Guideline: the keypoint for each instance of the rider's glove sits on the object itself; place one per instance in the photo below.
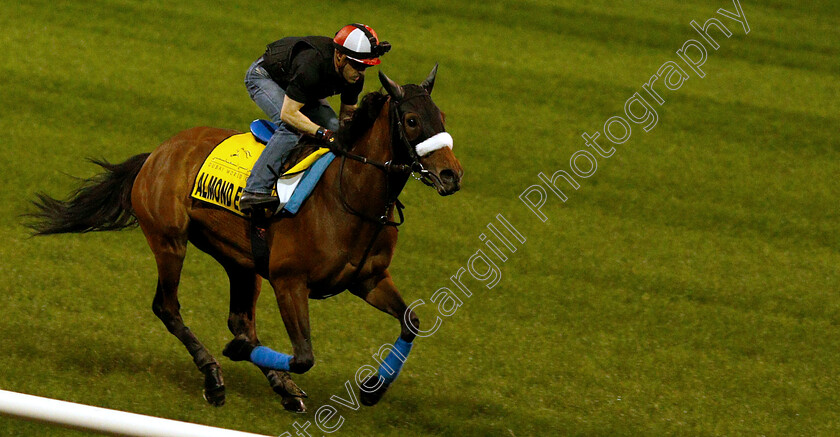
(325, 135)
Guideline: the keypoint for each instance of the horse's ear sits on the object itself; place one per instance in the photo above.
(394, 89)
(429, 83)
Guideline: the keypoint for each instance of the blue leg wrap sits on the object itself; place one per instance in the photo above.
(265, 357)
(394, 362)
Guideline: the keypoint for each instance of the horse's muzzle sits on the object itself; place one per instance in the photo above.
(450, 182)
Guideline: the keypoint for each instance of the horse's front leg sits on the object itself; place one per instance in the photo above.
(293, 300)
(244, 291)
(382, 294)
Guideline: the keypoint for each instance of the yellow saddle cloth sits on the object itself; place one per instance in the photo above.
(223, 175)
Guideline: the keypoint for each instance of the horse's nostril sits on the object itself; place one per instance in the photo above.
(450, 180)
(448, 176)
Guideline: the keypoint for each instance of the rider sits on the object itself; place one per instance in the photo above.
(291, 82)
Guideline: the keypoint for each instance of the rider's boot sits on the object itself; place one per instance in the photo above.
(252, 201)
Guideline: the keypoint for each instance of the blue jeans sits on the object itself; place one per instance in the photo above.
(269, 97)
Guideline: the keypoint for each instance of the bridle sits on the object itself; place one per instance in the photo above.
(415, 168)
(425, 176)
(390, 168)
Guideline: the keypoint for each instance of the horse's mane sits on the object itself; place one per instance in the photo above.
(346, 137)
(362, 120)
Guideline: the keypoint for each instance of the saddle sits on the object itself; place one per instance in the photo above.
(222, 177)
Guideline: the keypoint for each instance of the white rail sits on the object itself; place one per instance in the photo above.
(103, 420)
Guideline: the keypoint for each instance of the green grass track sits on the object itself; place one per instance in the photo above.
(690, 286)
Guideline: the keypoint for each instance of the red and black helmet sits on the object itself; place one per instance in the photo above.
(360, 43)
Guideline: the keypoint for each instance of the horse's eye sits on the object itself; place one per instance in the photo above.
(411, 122)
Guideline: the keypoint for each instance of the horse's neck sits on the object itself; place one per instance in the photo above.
(365, 185)
(376, 143)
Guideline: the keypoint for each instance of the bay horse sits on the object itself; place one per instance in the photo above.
(342, 238)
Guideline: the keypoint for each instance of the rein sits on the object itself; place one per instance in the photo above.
(389, 167)
(389, 203)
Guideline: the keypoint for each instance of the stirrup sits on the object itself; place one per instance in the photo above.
(253, 201)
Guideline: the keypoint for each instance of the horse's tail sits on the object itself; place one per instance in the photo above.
(102, 203)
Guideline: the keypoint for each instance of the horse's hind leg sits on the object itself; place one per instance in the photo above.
(169, 254)
(244, 291)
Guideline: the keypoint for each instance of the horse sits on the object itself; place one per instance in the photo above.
(342, 238)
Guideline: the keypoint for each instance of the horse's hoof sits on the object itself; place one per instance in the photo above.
(215, 398)
(294, 404)
(214, 386)
(371, 399)
(289, 389)
(282, 384)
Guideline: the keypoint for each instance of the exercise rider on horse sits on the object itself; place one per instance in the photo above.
(291, 82)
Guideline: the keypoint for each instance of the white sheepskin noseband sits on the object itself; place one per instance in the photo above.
(435, 142)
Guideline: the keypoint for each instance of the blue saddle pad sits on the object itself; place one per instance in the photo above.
(310, 178)
(263, 130)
